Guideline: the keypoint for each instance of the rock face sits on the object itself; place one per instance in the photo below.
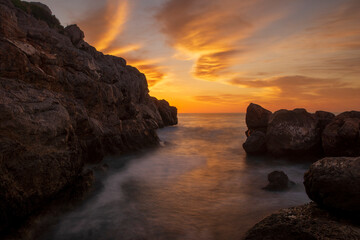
(307, 222)
(292, 132)
(257, 117)
(255, 143)
(278, 181)
(341, 136)
(63, 104)
(335, 183)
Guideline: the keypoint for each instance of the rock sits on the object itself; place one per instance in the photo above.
(75, 34)
(324, 119)
(257, 117)
(255, 143)
(306, 222)
(293, 133)
(62, 106)
(43, 7)
(278, 181)
(341, 137)
(335, 183)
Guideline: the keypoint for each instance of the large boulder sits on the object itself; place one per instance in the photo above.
(324, 118)
(257, 117)
(255, 143)
(335, 183)
(341, 137)
(307, 222)
(293, 132)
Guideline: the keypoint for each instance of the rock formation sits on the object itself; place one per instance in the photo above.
(62, 104)
(278, 181)
(306, 222)
(335, 183)
(298, 132)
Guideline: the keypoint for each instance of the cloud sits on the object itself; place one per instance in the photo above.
(103, 25)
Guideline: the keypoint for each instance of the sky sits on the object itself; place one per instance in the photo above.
(221, 55)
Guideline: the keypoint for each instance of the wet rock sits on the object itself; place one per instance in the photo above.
(257, 117)
(306, 222)
(335, 183)
(255, 143)
(278, 181)
(341, 137)
(292, 133)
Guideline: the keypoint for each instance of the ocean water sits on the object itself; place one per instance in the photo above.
(199, 184)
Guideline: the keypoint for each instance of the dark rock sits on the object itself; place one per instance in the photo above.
(341, 137)
(62, 106)
(278, 181)
(42, 6)
(324, 118)
(335, 183)
(293, 133)
(75, 34)
(307, 222)
(255, 143)
(257, 117)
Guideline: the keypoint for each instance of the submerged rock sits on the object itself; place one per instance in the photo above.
(278, 181)
(63, 104)
(335, 183)
(306, 222)
(341, 136)
(292, 133)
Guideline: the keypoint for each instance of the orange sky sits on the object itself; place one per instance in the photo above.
(220, 55)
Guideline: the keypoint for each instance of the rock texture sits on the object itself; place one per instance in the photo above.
(255, 143)
(292, 132)
(335, 183)
(257, 117)
(278, 181)
(62, 104)
(307, 222)
(341, 136)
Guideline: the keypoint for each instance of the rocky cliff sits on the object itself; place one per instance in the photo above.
(62, 104)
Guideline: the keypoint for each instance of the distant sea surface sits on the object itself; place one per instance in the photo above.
(199, 185)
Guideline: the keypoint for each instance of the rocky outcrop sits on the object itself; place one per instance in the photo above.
(292, 133)
(307, 222)
(298, 132)
(335, 183)
(341, 136)
(62, 105)
(278, 181)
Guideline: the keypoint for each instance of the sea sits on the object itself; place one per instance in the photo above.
(199, 184)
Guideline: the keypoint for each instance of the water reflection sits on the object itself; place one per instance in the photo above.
(200, 185)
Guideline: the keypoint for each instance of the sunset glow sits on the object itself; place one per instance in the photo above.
(220, 55)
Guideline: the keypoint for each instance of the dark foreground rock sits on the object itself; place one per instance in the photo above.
(278, 181)
(307, 222)
(257, 117)
(62, 104)
(335, 183)
(255, 143)
(292, 133)
(341, 136)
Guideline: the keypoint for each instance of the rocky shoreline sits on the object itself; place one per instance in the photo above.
(62, 105)
(332, 182)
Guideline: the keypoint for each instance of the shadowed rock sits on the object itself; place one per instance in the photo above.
(257, 117)
(292, 133)
(255, 143)
(324, 119)
(335, 183)
(278, 181)
(306, 222)
(341, 136)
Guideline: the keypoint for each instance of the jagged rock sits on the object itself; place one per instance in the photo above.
(62, 106)
(255, 143)
(324, 119)
(278, 181)
(341, 137)
(335, 183)
(257, 117)
(292, 133)
(307, 222)
(75, 34)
